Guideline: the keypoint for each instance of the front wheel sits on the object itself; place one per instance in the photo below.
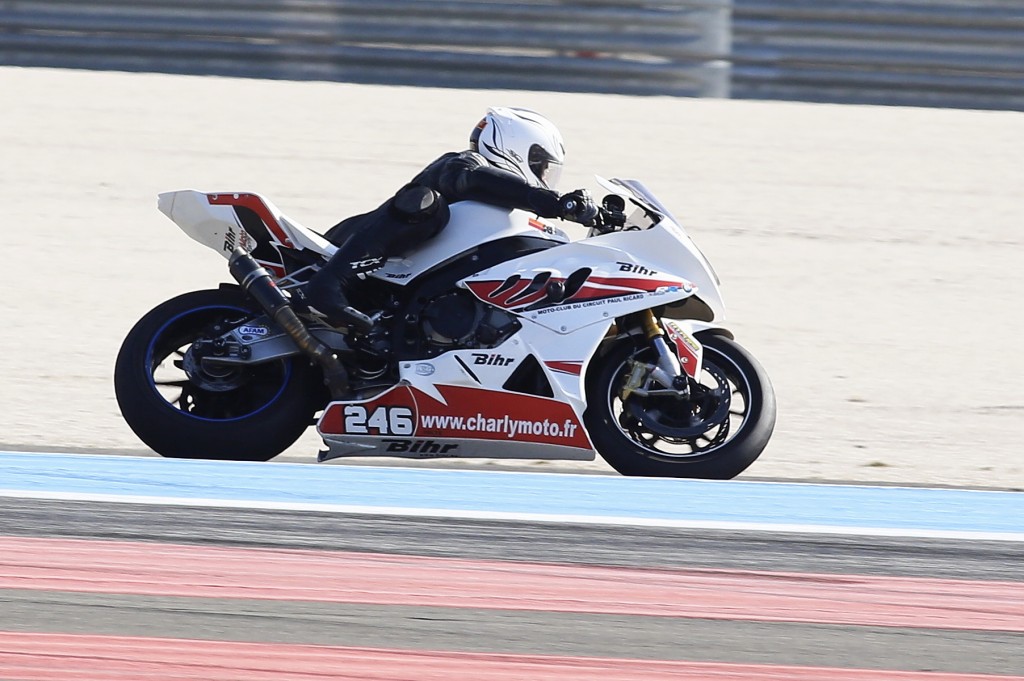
(184, 408)
(719, 430)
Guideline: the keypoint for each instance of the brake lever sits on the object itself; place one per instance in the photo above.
(609, 220)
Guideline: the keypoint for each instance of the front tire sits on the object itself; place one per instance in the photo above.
(182, 410)
(716, 435)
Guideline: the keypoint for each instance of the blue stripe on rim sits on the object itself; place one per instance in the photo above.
(152, 383)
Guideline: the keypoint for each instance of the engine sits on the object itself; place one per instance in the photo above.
(457, 319)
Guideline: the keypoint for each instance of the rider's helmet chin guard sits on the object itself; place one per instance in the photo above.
(523, 142)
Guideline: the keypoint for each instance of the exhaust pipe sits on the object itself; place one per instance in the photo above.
(257, 282)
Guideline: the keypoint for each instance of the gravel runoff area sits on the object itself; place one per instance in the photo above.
(872, 257)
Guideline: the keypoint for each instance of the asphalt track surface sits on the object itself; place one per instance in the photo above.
(185, 588)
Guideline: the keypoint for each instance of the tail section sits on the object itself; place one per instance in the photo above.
(248, 221)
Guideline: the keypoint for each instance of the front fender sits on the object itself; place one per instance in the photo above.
(698, 328)
(687, 337)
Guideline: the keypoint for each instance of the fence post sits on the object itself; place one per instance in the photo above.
(7, 9)
(715, 21)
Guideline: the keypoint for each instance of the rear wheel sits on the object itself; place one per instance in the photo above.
(716, 433)
(183, 407)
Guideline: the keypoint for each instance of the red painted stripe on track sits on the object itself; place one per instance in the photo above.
(58, 657)
(222, 572)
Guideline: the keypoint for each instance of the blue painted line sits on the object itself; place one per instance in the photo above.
(522, 494)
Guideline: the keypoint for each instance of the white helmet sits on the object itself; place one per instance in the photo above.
(521, 141)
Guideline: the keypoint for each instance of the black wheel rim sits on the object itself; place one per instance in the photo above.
(671, 429)
(231, 394)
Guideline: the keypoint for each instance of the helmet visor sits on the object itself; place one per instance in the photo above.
(474, 137)
(547, 169)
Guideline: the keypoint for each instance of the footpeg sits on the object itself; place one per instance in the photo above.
(356, 320)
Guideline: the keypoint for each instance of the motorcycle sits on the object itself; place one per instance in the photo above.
(500, 337)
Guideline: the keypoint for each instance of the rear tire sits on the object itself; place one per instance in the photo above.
(243, 413)
(717, 435)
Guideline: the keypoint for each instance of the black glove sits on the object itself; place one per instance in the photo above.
(579, 207)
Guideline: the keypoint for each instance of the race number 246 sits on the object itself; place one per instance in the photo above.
(381, 421)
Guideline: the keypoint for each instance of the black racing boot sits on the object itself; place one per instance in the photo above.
(325, 293)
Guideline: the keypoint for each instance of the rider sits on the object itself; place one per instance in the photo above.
(514, 160)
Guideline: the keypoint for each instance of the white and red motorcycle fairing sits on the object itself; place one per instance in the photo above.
(546, 355)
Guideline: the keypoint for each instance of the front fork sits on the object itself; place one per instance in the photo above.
(672, 369)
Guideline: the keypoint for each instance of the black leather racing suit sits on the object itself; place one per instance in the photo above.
(467, 176)
(366, 241)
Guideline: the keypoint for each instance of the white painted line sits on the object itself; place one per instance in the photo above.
(920, 533)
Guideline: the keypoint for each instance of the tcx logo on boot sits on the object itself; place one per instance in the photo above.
(366, 265)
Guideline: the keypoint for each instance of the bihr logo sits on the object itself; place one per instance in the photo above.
(633, 268)
(492, 359)
(422, 447)
(229, 240)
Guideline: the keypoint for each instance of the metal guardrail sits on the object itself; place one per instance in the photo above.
(674, 47)
(954, 53)
(963, 53)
